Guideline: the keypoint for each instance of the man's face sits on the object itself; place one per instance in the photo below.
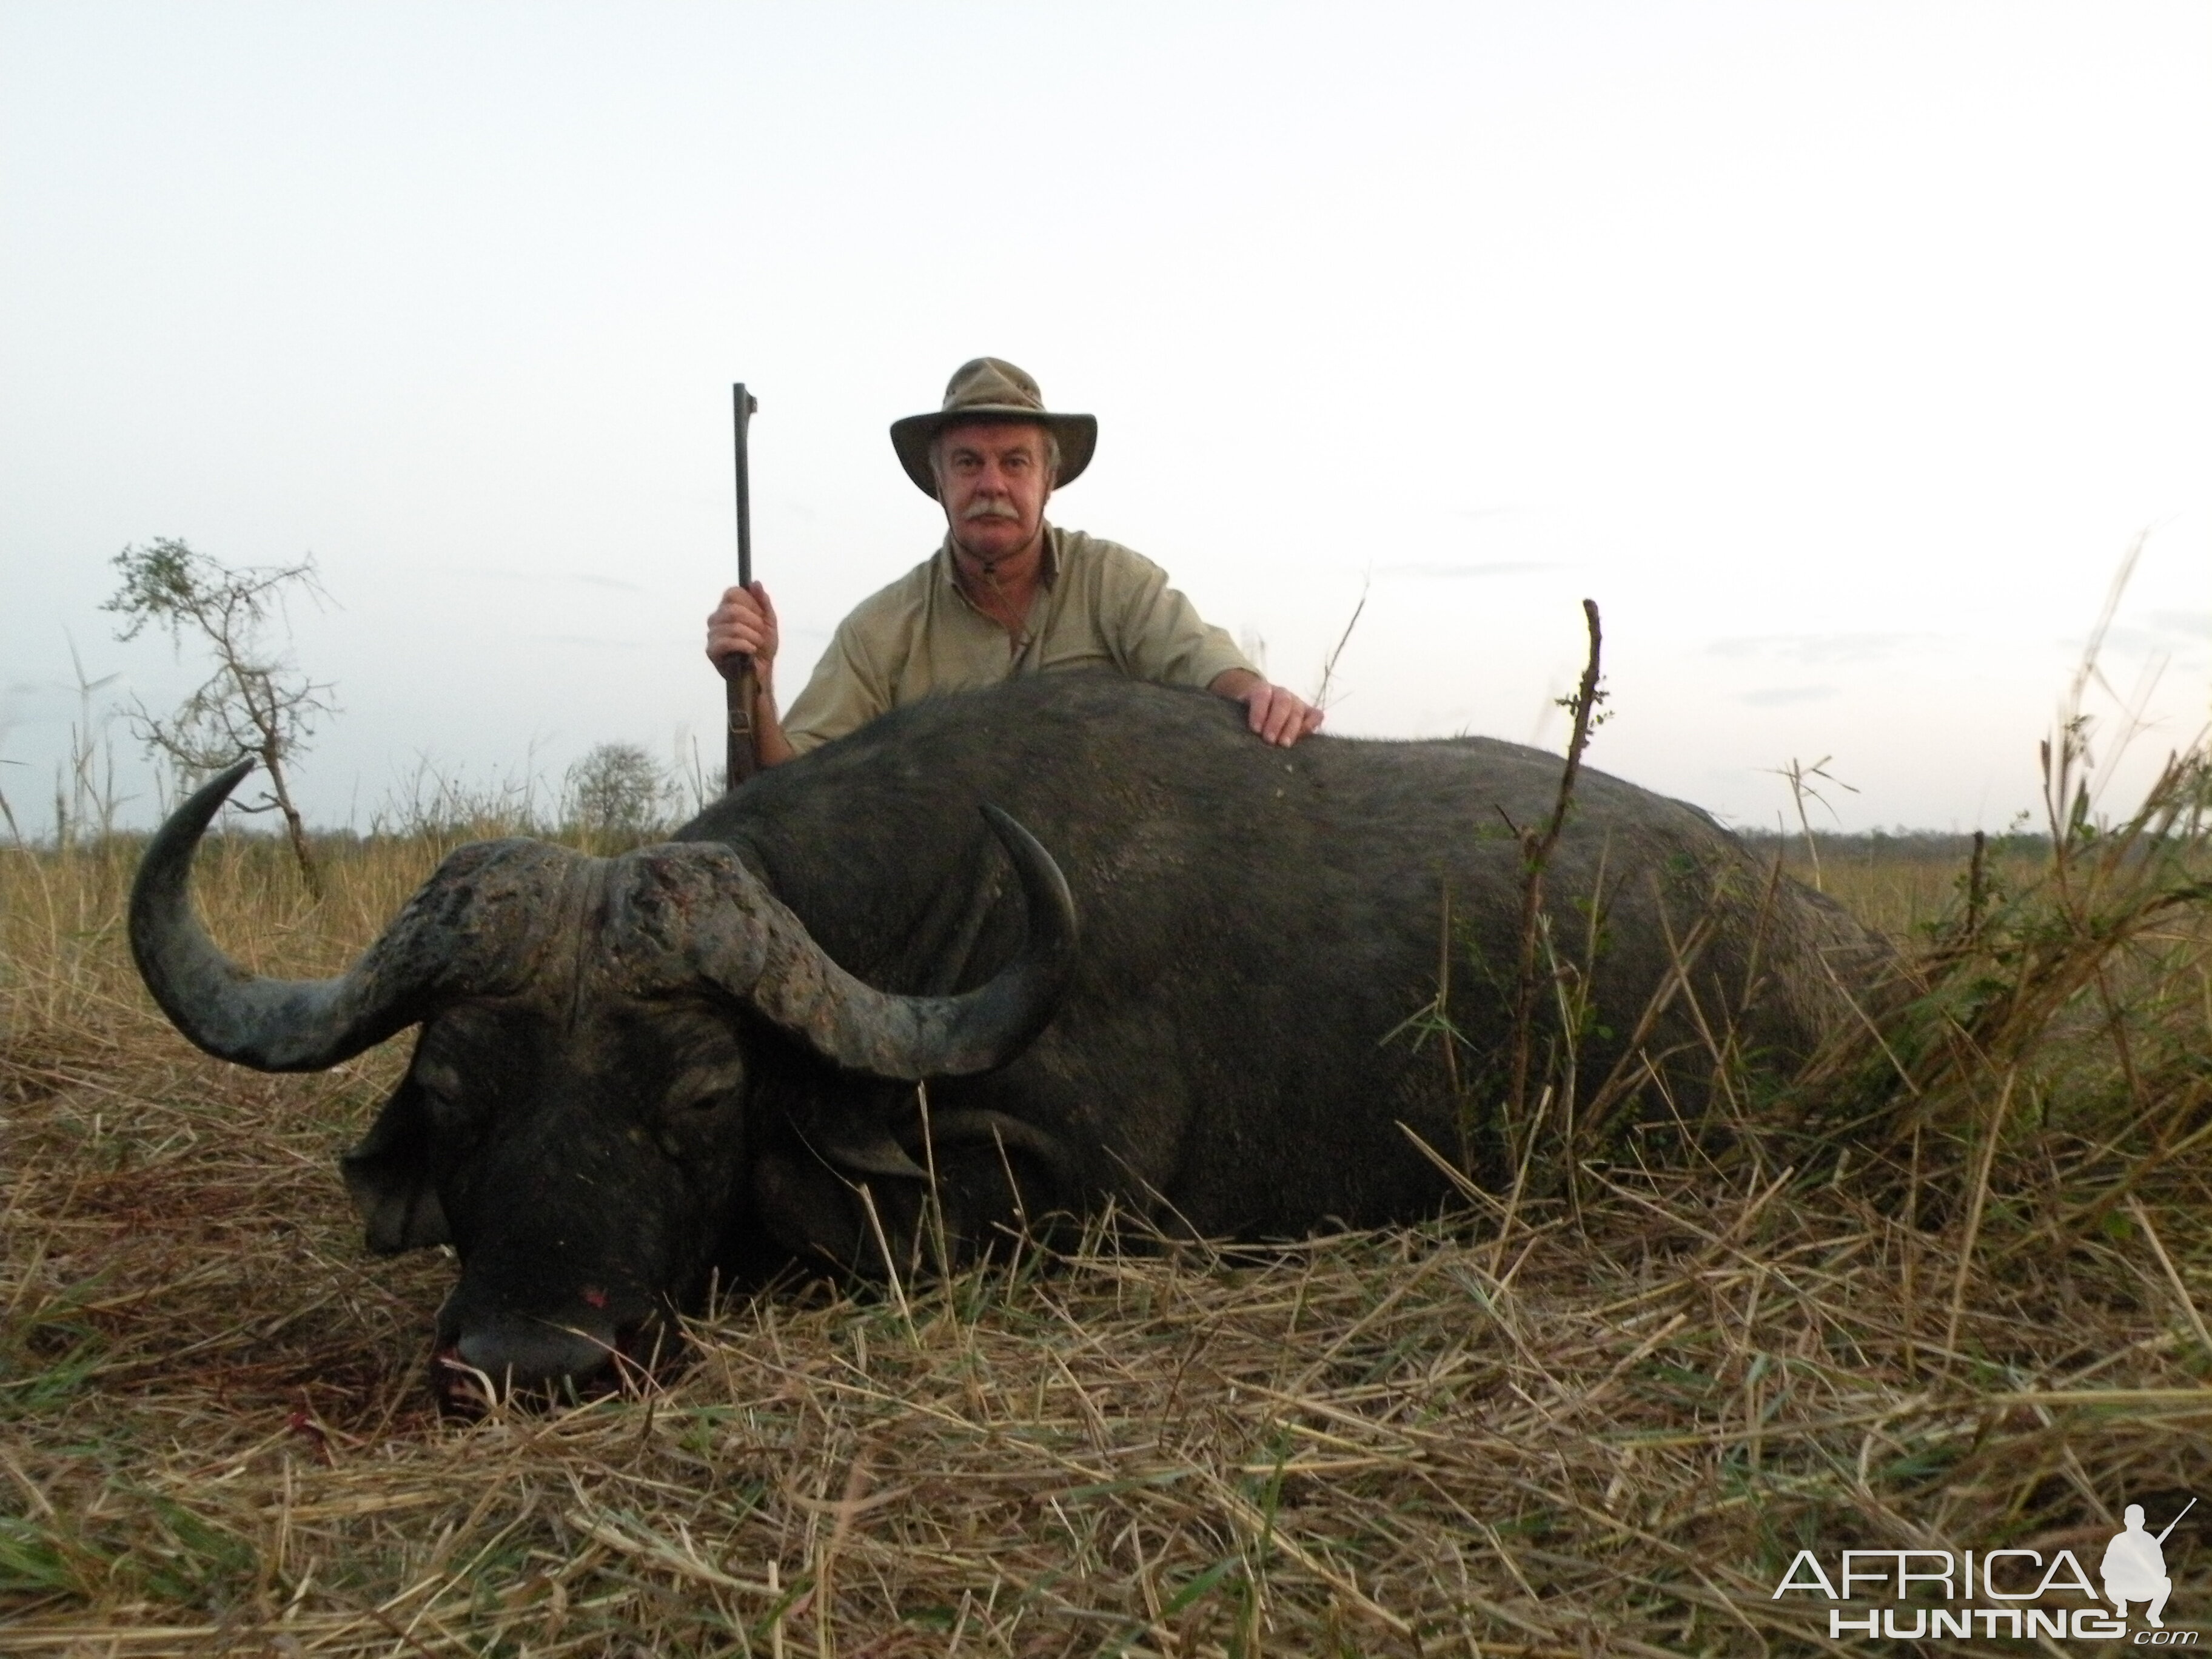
(993, 480)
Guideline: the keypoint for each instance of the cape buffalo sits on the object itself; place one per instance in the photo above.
(1138, 955)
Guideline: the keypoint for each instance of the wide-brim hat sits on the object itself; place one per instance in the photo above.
(992, 389)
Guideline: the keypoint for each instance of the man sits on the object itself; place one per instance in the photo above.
(2135, 1569)
(1005, 594)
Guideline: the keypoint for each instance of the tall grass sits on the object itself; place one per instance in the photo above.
(1956, 1301)
(1903, 885)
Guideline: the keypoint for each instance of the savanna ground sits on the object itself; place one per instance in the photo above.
(1953, 1299)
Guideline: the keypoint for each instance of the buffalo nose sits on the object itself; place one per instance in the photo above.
(525, 1353)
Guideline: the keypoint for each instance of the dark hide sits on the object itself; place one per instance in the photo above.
(1257, 924)
(1231, 1056)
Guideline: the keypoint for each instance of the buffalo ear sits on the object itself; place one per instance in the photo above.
(388, 1178)
(807, 1207)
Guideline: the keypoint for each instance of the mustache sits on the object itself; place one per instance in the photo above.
(990, 510)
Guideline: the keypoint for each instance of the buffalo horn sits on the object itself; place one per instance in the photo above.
(777, 967)
(980, 1123)
(297, 1025)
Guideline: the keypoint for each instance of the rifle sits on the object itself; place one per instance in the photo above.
(2176, 1522)
(741, 683)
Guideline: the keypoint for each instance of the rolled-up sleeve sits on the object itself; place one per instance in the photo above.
(844, 693)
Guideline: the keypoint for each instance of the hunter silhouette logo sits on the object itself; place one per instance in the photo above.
(2135, 1566)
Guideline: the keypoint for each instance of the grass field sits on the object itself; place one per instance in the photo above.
(1974, 1321)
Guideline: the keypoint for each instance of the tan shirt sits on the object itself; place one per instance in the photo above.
(1098, 605)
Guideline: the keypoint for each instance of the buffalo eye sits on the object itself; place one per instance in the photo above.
(441, 1089)
(702, 1089)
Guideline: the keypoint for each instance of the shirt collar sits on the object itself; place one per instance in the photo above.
(1047, 576)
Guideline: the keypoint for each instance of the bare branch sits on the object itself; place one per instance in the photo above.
(256, 701)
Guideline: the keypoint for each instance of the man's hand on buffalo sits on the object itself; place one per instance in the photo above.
(1275, 713)
(743, 625)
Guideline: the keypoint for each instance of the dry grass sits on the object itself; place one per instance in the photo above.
(1600, 1429)
(1904, 886)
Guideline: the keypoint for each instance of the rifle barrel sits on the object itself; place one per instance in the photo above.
(743, 407)
(742, 757)
(2176, 1522)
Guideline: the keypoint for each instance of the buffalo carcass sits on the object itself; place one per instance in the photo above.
(635, 1072)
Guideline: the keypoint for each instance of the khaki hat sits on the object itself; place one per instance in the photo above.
(992, 389)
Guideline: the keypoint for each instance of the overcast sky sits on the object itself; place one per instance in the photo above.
(1839, 351)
